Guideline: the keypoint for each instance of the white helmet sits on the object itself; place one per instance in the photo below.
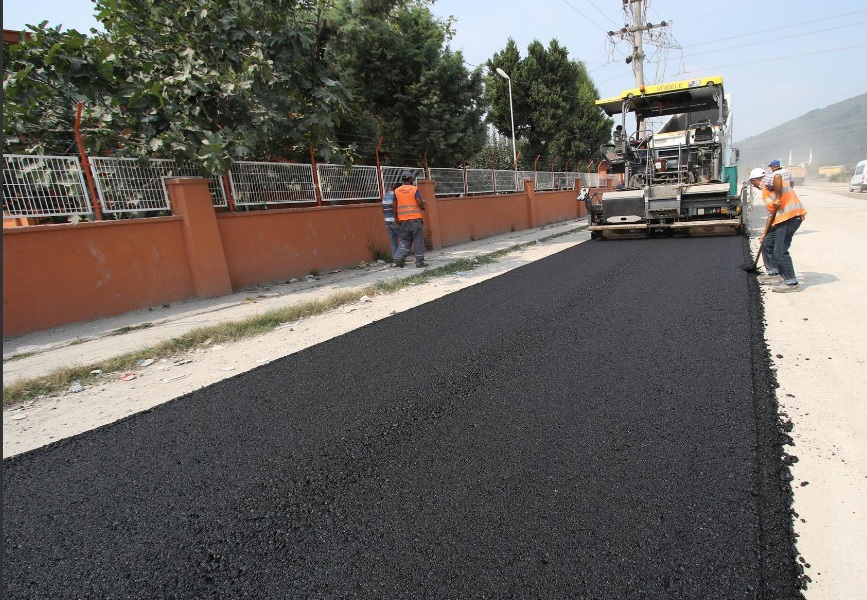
(757, 172)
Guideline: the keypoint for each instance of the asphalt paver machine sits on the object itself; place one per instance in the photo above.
(679, 179)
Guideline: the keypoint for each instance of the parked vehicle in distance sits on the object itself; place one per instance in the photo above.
(859, 177)
(798, 173)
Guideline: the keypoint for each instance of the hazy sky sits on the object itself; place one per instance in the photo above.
(778, 59)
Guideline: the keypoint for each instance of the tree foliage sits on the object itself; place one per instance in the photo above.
(44, 78)
(215, 81)
(407, 86)
(554, 104)
(207, 82)
(222, 80)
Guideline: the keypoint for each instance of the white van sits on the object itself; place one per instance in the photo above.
(859, 178)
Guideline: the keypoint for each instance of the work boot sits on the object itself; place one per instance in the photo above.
(772, 279)
(420, 264)
(400, 262)
(785, 287)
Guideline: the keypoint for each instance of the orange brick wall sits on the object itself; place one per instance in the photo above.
(58, 274)
(277, 244)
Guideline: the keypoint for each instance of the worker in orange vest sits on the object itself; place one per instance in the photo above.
(408, 212)
(788, 212)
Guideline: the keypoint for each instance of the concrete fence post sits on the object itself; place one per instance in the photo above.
(532, 210)
(191, 200)
(431, 213)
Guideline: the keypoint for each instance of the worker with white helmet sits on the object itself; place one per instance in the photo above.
(786, 212)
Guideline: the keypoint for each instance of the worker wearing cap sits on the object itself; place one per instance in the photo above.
(408, 211)
(777, 169)
(787, 212)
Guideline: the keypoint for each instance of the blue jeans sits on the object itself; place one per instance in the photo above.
(412, 234)
(393, 230)
(775, 250)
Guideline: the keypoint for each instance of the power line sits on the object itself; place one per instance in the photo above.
(768, 41)
(588, 18)
(765, 31)
(790, 56)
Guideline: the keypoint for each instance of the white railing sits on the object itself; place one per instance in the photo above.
(480, 181)
(44, 186)
(264, 183)
(392, 175)
(449, 182)
(339, 183)
(131, 185)
(506, 181)
(40, 186)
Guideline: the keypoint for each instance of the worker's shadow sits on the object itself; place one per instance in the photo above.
(810, 278)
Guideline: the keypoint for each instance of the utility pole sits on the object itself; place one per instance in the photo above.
(638, 42)
(634, 34)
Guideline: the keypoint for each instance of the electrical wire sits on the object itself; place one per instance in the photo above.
(591, 21)
(764, 60)
(768, 41)
(785, 27)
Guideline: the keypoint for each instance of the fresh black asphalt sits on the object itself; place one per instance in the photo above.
(599, 424)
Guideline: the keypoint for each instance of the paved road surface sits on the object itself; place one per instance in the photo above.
(598, 424)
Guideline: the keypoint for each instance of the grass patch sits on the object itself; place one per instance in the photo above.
(123, 330)
(60, 380)
(20, 356)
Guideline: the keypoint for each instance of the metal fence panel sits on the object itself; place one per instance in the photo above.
(44, 186)
(522, 175)
(589, 180)
(505, 181)
(264, 183)
(561, 181)
(544, 180)
(129, 185)
(449, 182)
(338, 183)
(480, 181)
(392, 175)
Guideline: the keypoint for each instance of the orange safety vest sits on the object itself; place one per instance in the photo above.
(790, 205)
(407, 208)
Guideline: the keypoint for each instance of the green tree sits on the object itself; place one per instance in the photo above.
(407, 86)
(221, 80)
(497, 148)
(208, 82)
(554, 104)
(44, 79)
(450, 111)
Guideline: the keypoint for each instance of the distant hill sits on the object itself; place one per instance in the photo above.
(834, 133)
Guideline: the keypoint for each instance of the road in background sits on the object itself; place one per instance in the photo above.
(597, 424)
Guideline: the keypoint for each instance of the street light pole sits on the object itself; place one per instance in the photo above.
(502, 74)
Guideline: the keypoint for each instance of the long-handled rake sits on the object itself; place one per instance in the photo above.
(754, 266)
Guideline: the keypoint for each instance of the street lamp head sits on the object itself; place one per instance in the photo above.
(502, 74)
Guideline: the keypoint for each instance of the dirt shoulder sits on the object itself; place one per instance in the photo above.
(816, 341)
